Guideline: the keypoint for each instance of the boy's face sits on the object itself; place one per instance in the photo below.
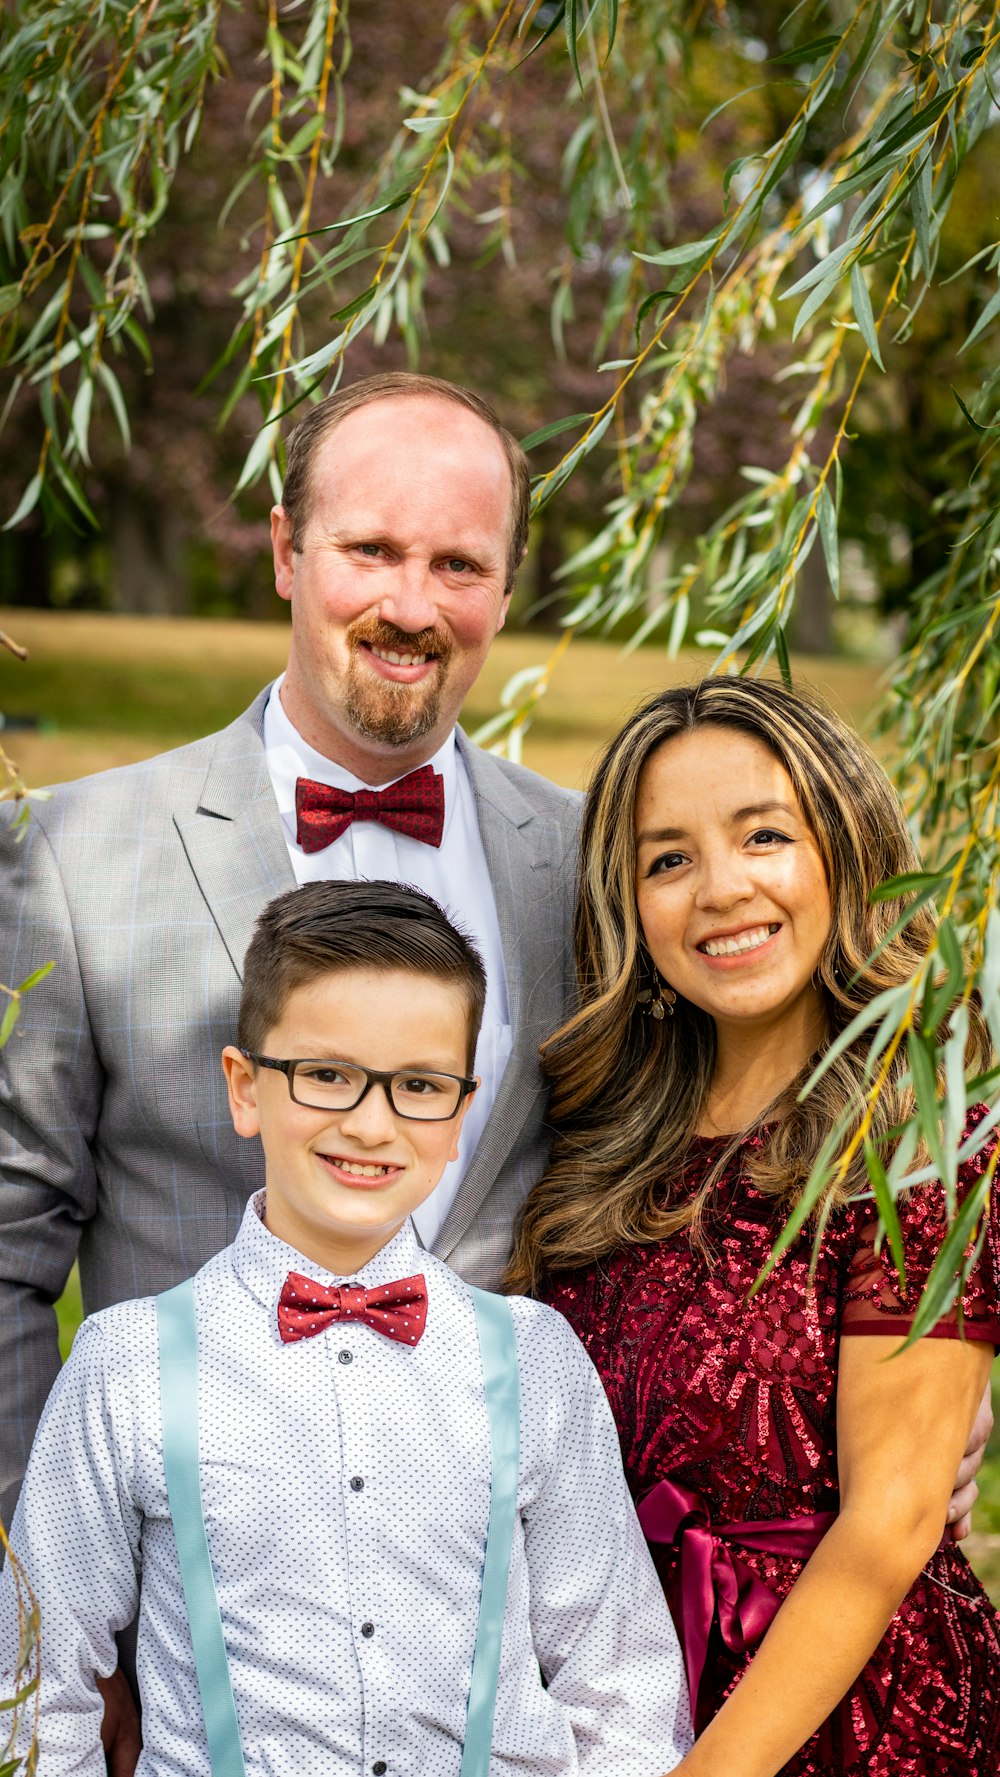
(318, 1198)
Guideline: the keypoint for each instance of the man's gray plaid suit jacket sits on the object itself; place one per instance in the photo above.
(143, 884)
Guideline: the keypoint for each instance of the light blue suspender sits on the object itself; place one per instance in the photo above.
(503, 1403)
(178, 1347)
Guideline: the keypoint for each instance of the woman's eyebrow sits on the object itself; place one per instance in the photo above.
(658, 835)
(756, 808)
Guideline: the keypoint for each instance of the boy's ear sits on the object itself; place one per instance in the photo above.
(460, 1119)
(241, 1079)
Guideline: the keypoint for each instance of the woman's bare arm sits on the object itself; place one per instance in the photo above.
(902, 1426)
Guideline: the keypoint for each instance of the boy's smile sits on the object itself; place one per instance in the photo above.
(340, 1183)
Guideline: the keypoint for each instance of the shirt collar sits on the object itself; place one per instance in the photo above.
(262, 1262)
(290, 757)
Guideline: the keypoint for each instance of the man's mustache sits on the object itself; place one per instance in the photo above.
(388, 638)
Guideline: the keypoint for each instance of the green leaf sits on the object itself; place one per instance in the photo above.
(112, 389)
(781, 649)
(990, 311)
(826, 516)
(912, 881)
(917, 125)
(813, 51)
(553, 430)
(826, 270)
(12, 1012)
(942, 1285)
(65, 476)
(887, 1209)
(862, 304)
(356, 305)
(36, 975)
(940, 996)
(347, 221)
(20, 1696)
(920, 209)
(27, 502)
(80, 419)
(422, 126)
(888, 1004)
(815, 1187)
(303, 138)
(923, 1071)
(572, 33)
(652, 301)
(680, 255)
(985, 430)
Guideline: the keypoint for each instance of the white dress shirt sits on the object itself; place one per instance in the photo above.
(346, 1490)
(454, 873)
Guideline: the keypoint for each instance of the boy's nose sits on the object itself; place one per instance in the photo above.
(372, 1120)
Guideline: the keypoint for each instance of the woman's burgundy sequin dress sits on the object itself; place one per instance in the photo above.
(733, 1402)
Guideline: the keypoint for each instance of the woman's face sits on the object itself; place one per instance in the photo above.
(730, 885)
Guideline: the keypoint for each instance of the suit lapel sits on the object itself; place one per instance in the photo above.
(523, 852)
(234, 839)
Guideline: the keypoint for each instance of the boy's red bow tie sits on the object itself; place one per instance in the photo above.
(399, 1310)
(413, 805)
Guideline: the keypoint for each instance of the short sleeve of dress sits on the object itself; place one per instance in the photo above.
(875, 1302)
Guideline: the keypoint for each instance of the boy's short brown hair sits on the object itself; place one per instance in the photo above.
(325, 928)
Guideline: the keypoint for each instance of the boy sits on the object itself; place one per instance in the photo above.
(345, 1437)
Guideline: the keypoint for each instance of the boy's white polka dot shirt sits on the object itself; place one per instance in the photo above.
(346, 1491)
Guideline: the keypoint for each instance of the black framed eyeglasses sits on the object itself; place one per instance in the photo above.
(340, 1085)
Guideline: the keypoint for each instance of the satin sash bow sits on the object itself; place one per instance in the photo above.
(715, 1584)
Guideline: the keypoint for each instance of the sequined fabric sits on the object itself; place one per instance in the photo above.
(735, 1400)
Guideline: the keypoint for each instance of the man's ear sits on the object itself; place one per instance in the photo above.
(282, 551)
(241, 1080)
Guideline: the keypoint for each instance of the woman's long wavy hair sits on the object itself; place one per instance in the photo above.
(628, 1092)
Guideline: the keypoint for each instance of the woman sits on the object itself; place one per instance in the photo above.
(792, 1483)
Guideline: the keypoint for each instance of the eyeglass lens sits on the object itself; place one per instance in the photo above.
(337, 1086)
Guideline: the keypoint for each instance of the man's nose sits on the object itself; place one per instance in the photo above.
(410, 602)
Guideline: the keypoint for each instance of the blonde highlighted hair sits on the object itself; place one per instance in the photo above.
(628, 1092)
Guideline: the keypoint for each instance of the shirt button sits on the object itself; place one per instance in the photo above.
(345, 1357)
(368, 1630)
(356, 1483)
(379, 1768)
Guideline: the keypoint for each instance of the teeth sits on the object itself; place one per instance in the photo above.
(359, 1170)
(399, 659)
(751, 940)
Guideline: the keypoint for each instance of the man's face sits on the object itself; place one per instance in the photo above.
(399, 588)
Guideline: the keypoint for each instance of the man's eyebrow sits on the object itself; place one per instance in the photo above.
(659, 835)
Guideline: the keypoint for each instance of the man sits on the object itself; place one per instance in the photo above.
(403, 521)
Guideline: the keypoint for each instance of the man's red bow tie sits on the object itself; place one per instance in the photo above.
(413, 805)
(399, 1310)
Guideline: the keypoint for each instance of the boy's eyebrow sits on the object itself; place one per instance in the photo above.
(402, 1067)
(747, 813)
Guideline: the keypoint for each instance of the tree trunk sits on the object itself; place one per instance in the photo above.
(148, 557)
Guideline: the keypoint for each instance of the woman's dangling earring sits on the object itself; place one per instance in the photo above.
(658, 1000)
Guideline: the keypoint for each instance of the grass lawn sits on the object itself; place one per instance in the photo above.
(109, 690)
